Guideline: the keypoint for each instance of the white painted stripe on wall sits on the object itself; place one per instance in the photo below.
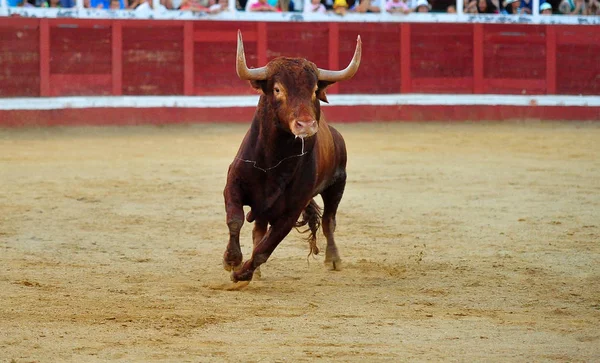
(57, 103)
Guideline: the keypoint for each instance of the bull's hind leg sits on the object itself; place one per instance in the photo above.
(331, 200)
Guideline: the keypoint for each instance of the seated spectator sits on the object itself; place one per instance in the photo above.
(316, 7)
(68, 3)
(367, 6)
(218, 6)
(26, 4)
(486, 7)
(451, 9)
(594, 7)
(511, 7)
(262, 5)
(546, 9)
(422, 6)
(397, 7)
(526, 7)
(194, 5)
(142, 6)
(107, 4)
(572, 7)
(471, 7)
(340, 7)
(328, 4)
(49, 4)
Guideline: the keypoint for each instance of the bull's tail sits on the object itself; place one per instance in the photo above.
(311, 216)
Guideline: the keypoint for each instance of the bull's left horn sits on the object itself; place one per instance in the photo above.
(255, 74)
(345, 74)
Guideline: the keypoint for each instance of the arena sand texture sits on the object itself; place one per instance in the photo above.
(460, 242)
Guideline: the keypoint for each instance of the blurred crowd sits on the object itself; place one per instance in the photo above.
(340, 7)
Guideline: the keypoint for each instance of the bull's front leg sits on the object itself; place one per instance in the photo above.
(232, 258)
(263, 250)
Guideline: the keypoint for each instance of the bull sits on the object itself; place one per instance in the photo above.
(288, 156)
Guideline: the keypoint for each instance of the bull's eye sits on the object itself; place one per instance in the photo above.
(276, 90)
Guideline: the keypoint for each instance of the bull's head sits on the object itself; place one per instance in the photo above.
(293, 87)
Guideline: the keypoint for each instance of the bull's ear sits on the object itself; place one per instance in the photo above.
(321, 86)
(259, 86)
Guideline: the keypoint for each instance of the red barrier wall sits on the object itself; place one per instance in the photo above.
(72, 57)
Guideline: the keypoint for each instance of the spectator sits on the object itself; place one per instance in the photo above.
(340, 7)
(26, 4)
(50, 4)
(422, 6)
(106, 4)
(218, 6)
(142, 6)
(594, 7)
(451, 9)
(511, 7)
(262, 5)
(546, 9)
(471, 7)
(397, 7)
(572, 7)
(486, 7)
(367, 6)
(194, 5)
(328, 4)
(526, 7)
(316, 7)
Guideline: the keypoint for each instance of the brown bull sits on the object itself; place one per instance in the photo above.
(288, 156)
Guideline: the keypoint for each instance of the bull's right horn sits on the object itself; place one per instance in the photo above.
(255, 74)
(345, 74)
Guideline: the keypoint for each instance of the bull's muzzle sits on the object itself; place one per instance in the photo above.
(304, 127)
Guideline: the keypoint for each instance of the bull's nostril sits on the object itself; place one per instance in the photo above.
(303, 124)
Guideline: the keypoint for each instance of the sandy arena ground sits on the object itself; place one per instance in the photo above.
(461, 242)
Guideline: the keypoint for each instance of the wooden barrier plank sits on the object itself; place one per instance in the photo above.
(478, 66)
(79, 23)
(211, 36)
(442, 85)
(80, 84)
(262, 43)
(334, 53)
(117, 58)
(515, 86)
(550, 60)
(405, 76)
(188, 58)
(44, 58)
(19, 58)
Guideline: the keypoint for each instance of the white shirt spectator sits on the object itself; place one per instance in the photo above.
(396, 5)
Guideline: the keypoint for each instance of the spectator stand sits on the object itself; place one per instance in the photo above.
(79, 11)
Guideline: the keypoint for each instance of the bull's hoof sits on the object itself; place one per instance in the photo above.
(228, 267)
(332, 258)
(243, 274)
(232, 260)
(334, 264)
